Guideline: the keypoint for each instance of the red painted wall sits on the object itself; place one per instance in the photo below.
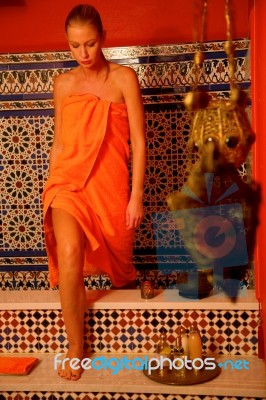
(258, 42)
(38, 25)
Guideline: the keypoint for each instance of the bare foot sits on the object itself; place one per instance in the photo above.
(70, 368)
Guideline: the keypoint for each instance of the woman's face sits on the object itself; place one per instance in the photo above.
(85, 43)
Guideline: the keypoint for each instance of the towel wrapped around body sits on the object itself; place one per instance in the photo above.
(90, 180)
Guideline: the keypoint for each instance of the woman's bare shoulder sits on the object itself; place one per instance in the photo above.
(125, 78)
(122, 71)
(65, 83)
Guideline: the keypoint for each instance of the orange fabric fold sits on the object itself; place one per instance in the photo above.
(90, 180)
(17, 365)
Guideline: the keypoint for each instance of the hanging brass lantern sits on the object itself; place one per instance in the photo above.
(221, 126)
(216, 212)
(225, 125)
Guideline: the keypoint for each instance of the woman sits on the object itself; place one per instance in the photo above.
(89, 212)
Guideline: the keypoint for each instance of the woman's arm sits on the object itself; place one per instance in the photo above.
(61, 88)
(133, 99)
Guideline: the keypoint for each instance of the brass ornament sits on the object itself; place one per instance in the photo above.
(226, 125)
(222, 137)
(223, 121)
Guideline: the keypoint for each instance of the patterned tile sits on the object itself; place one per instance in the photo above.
(39, 280)
(27, 396)
(26, 121)
(109, 396)
(164, 65)
(223, 332)
(19, 331)
(24, 280)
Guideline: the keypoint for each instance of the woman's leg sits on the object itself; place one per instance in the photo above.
(70, 251)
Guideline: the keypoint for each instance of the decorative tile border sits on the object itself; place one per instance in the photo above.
(129, 331)
(123, 52)
(39, 280)
(110, 396)
(166, 69)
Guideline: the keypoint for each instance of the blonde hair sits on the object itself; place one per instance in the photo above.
(85, 14)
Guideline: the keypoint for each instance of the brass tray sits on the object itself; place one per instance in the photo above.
(183, 377)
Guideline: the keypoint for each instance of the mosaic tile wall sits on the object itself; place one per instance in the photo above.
(129, 331)
(26, 123)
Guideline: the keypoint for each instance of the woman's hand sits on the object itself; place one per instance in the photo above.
(134, 213)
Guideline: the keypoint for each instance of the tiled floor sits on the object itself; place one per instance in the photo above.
(231, 382)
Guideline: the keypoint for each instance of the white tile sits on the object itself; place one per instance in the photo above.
(126, 299)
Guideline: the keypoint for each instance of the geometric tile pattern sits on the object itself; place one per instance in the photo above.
(39, 280)
(26, 122)
(24, 280)
(129, 331)
(111, 396)
(165, 74)
(138, 331)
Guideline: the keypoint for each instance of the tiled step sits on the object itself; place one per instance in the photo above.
(120, 321)
(240, 384)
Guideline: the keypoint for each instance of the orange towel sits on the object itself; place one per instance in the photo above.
(17, 365)
(90, 180)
